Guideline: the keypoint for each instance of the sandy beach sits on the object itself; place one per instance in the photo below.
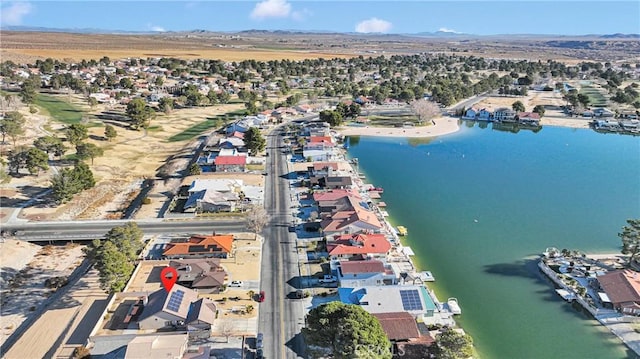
(443, 126)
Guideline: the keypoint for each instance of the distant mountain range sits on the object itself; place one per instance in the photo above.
(440, 34)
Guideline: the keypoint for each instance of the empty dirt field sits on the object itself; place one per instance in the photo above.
(30, 46)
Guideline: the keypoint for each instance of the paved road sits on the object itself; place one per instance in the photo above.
(280, 318)
(83, 230)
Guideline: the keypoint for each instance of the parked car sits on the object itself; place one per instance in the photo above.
(261, 296)
(259, 354)
(235, 283)
(328, 279)
(259, 339)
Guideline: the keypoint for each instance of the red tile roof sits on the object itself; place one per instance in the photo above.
(333, 195)
(351, 267)
(398, 325)
(211, 244)
(621, 286)
(322, 165)
(320, 139)
(230, 160)
(359, 244)
(533, 115)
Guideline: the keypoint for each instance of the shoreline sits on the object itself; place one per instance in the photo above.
(445, 126)
(620, 325)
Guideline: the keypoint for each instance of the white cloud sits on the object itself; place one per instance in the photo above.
(444, 29)
(373, 25)
(12, 13)
(155, 28)
(301, 15)
(271, 8)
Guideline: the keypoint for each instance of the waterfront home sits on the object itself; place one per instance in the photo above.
(358, 246)
(201, 246)
(178, 307)
(471, 114)
(315, 154)
(322, 169)
(203, 275)
(389, 299)
(365, 273)
(347, 215)
(484, 115)
(405, 335)
(504, 114)
(529, 118)
(622, 290)
(606, 125)
(333, 195)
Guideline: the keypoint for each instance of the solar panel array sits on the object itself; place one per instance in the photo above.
(411, 299)
(175, 300)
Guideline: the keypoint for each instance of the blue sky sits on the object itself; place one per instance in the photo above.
(563, 17)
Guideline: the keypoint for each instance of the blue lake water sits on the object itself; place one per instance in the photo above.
(481, 204)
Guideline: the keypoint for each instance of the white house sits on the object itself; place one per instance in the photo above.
(365, 273)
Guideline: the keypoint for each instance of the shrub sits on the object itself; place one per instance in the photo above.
(146, 200)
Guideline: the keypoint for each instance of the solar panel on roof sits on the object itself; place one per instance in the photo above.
(175, 300)
(411, 299)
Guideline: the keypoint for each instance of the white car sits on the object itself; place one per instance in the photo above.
(328, 279)
(235, 283)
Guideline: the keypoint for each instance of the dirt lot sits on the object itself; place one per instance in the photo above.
(30, 46)
(25, 268)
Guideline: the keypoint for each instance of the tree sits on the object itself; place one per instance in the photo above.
(76, 133)
(70, 181)
(539, 109)
(583, 99)
(518, 106)
(12, 125)
(29, 88)
(194, 169)
(110, 132)
(33, 159)
(166, 104)
(114, 256)
(334, 118)
(254, 140)
(251, 107)
(50, 145)
(4, 175)
(348, 330)
(630, 237)
(139, 113)
(407, 95)
(257, 218)
(92, 102)
(425, 109)
(88, 150)
(451, 344)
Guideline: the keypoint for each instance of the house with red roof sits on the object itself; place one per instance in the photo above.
(201, 246)
(529, 118)
(230, 163)
(404, 333)
(622, 290)
(358, 246)
(334, 194)
(358, 273)
(348, 215)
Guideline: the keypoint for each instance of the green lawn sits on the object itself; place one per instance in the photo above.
(208, 124)
(596, 98)
(59, 110)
